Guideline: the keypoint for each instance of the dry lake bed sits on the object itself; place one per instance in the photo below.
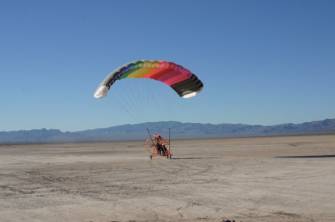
(249, 179)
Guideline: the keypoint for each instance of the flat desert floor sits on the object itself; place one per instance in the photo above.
(250, 179)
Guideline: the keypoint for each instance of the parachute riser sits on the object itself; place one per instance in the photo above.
(149, 134)
(170, 141)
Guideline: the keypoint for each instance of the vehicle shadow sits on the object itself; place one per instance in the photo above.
(308, 156)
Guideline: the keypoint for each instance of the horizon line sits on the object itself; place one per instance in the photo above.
(249, 124)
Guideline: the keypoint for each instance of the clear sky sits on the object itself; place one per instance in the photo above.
(262, 62)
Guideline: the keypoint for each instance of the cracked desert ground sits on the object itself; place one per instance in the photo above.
(247, 179)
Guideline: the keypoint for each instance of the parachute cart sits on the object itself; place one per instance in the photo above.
(183, 81)
(158, 146)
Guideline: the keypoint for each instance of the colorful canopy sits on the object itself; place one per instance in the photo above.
(185, 83)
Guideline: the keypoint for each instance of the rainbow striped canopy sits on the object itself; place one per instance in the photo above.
(183, 81)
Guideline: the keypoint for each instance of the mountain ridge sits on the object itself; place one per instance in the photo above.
(179, 130)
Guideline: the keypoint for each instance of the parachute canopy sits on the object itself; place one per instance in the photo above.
(183, 81)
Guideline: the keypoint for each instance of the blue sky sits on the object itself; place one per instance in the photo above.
(262, 62)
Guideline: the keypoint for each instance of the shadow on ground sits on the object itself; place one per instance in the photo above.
(194, 158)
(309, 156)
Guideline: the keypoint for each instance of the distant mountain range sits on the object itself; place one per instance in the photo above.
(179, 130)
